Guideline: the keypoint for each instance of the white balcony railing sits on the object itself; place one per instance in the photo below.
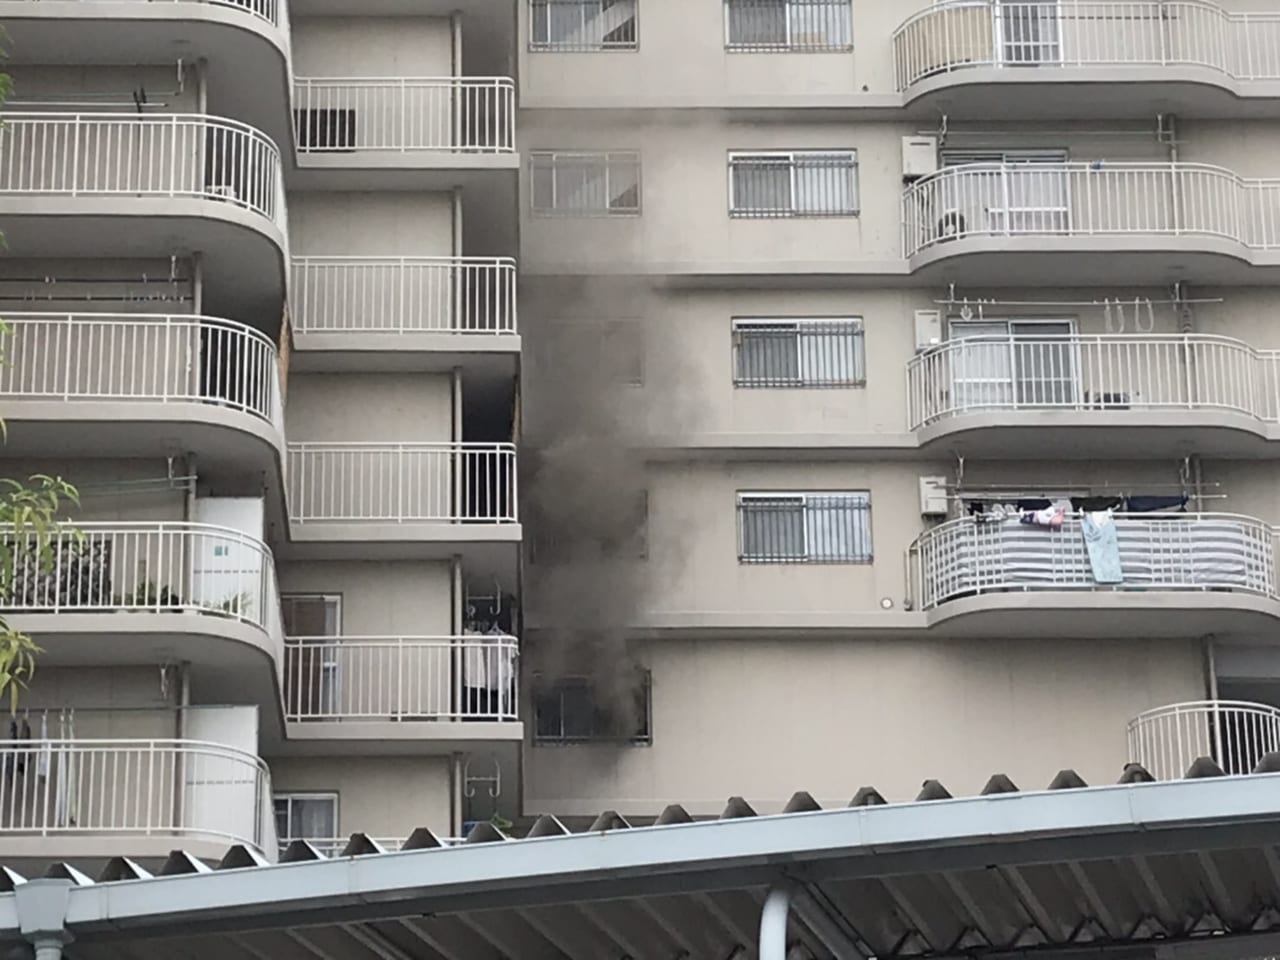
(1099, 199)
(1093, 373)
(963, 34)
(405, 114)
(402, 483)
(404, 295)
(136, 788)
(127, 155)
(1236, 735)
(401, 678)
(162, 567)
(95, 357)
(1184, 552)
(271, 11)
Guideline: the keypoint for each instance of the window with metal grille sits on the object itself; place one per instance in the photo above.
(788, 25)
(808, 352)
(583, 25)
(583, 184)
(794, 183)
(576, 710)
(817, 527)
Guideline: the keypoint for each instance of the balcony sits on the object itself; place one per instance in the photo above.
(396, 313)
(147, 593)
(244, 43)
(394, 122)
(1112, 222)
(1037, 60)
(1234, 734)
(1183, 575)
(418, 693)
(425, 500)
(74, 185)
(988, 394)
(122, 385)
(95, 799)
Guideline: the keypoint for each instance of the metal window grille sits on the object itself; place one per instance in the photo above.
(585, 184)
(796, 184)
(798, 353)
(804, 528)
(573, 710)
(583, 25)
(788, 25)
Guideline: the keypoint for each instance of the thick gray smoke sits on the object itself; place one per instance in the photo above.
(585, 494)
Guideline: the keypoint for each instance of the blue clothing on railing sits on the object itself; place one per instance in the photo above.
(1102, 545)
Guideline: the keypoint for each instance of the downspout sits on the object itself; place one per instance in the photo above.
(773, 923)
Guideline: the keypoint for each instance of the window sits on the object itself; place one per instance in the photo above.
(582, 25)
(1006, 191)
(998, 364)
(817, 527)
(626, 537)
(575, 710)
(330, 130)
(809, 183)
(810, 352)
(569, 184)
(788, 25)
(306, 816)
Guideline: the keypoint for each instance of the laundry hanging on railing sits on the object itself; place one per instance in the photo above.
(1050, 517)
(1103, 546)
(1152, 504)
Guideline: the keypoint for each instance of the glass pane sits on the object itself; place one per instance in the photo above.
(828, 353)
(824, 184)
(314, 818)
(773, 530)
(768, 354)
(1045, 366)
(758, 22)
(762, 186)
(1030, 30)
(981, 369)
(831, 528)
(818, 23)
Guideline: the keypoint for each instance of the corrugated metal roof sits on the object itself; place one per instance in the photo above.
(1186, 866)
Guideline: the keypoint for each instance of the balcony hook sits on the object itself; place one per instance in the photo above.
(182, 76)
(140, 98)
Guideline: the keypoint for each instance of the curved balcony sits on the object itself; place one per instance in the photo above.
(90, 799)
(428, 498)
(155, 592)
(78, 184)
(420, 313)
(244, 43)
(986, 394)
(432, 692)
(1036, 59)
(1113, 222)
(1233, 734)
(1183, 575)
(118, 385)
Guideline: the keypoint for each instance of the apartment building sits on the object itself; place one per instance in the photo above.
(260, 287)
(893, 392)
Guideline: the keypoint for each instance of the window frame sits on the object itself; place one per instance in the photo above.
(794, 212)
(858, 335)
(788, 45)
(578, 680)
(289, 796)
(554, 212)
(550, 46)
(861, 498)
